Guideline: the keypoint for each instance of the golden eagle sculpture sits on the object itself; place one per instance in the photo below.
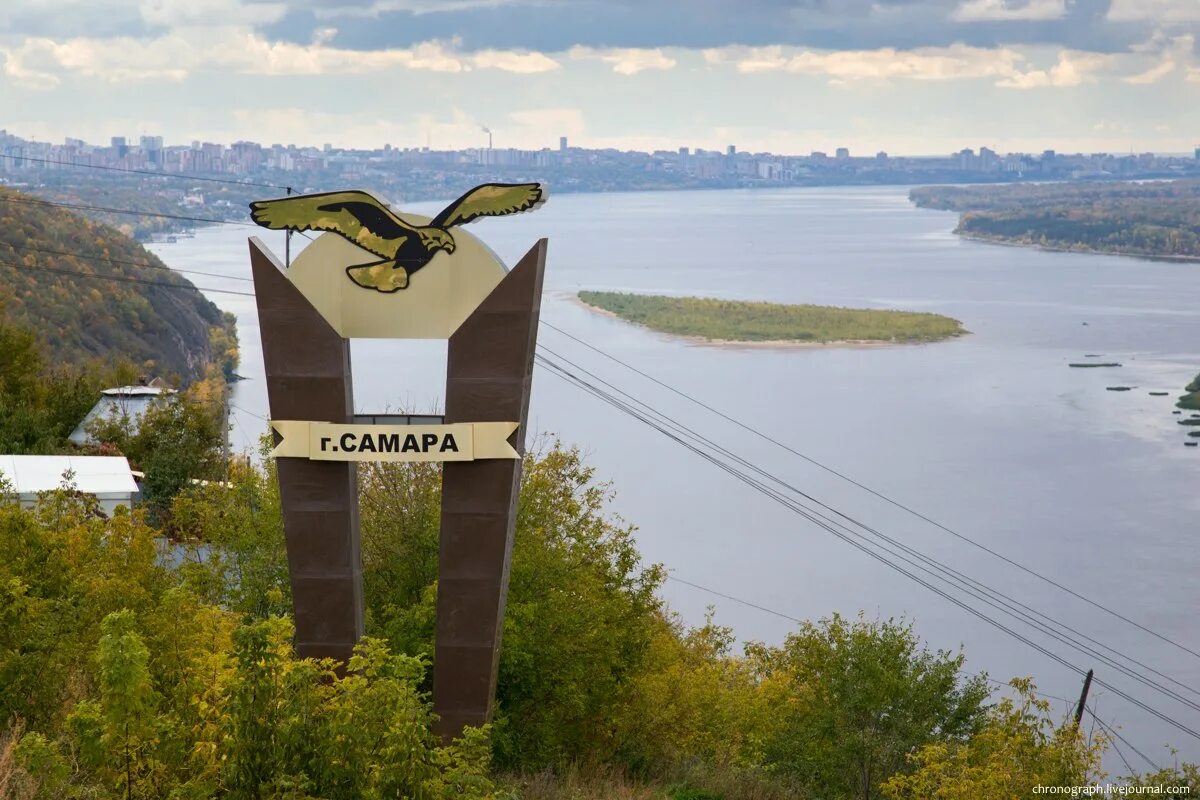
(402, 247)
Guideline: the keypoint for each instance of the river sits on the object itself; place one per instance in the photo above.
(991, 435)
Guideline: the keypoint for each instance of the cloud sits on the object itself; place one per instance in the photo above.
(956, 62)
(1011, 68)
(39, 63)
(1173, 53)
(1072, 69)
(513, 61)
(1009, 10)
(626, 60)
(1158, 11)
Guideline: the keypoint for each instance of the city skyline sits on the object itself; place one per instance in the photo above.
(783, 76)
(556, 143)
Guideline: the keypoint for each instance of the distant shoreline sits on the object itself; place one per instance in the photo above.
(1083, 250)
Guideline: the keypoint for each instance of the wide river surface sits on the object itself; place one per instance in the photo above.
(992, 435)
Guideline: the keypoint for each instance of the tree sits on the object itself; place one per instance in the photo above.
(1018, 747)
(581, 614)
(860, 697)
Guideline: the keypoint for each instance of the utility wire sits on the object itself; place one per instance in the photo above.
(1117, 736)
(734, 599)
(120, 278)
(1007, 604)
(178, 175)
(877, 494)
(144, 264)
(800, 510)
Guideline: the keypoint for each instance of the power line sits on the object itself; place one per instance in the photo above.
(177, 175)
(121, 278)
(1007, 604)
(44, 251)
(734, 599)
(801, 511)
(1113, 732)
(877, 494)
(105, 209)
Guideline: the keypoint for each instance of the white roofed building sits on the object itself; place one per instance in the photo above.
(107, 478)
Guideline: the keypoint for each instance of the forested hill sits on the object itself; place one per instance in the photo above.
(1160, 218)
(50, 260)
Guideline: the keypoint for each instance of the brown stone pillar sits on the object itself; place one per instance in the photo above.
(488, 379)
(308, 378)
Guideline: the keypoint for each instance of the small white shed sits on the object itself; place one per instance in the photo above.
(108, 478)
(128, 402)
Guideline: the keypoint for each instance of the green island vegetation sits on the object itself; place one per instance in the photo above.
(1159, 219)
(1191, 400)
(742, 321)
(127, 674)
(170, 331)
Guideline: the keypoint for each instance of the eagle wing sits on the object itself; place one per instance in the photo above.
(357, 216)
(491, 200)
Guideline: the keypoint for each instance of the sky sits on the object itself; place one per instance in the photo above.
(918, 77)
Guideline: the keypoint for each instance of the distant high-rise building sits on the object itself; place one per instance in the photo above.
(881, 156)
(562, 144)
(683, 152)
(1197, 153)
(152, 142)
(842, 153)
(731, 151)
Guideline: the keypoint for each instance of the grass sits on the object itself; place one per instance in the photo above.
(742, 321)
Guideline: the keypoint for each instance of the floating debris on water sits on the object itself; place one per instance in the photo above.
(1189, 444)
(1159, 394)
(1086, 366)
(1118, 388)
(1187, 422)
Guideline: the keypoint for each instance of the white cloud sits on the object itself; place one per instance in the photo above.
(626, 60)
(1173, 53)
(1072, 69)
(41, 63)
(1010, 67)
(513, 61)
(955, 62)
(1003, 10)
(1159, 11)
(1152, 75)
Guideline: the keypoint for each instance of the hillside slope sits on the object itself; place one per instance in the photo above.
(167, 330)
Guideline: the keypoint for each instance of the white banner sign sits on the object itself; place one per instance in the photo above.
(327, 441)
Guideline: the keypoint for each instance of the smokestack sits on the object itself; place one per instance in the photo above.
(488, 131)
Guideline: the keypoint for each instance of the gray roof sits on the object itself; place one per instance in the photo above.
(129, 402)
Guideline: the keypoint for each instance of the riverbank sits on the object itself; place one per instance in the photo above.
(732, 323)
(1081, 249)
